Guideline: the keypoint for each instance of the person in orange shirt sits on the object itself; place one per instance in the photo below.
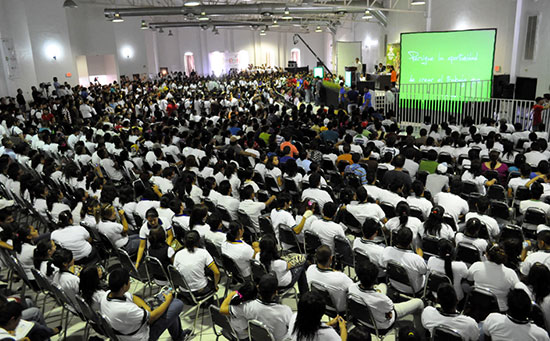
(346, 156)
(393, 76)
(293, 149)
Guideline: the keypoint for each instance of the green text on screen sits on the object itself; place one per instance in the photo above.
(462, 61)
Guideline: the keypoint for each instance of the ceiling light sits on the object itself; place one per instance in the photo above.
(262, 33)
(161, 30)
(144, 25)
(417, 2)
(117, 18)
(341, 12)
(203, 17)
(170, 34)
(267, 14)
(287, 15)
(191, 3)
(318, 29)
(367, 15)
(275, 24)
(69, 4)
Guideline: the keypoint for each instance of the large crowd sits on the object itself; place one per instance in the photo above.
(241, 181)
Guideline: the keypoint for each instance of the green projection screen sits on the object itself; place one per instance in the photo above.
(458, 62)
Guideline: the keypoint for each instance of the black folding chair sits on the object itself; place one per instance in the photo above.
(388, 208)
(222, 321)
(312, 242)
(224, 213)
(444, 333)
(331, 309)
(496, 192)
(289, 237)
(467, 253)
(430, 246)
(480, 303)
(343, 251)
(265, 226)
(361, 314)
(433, 281)
(511, 232)
(397, 274)
(232, 271)
(257, 331)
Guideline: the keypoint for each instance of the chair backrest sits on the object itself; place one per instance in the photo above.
(397, 273)
(444, 333)
(155, 269)
(127, 263)
(257, 269)
(511, 232)
(43, 283)
(467, 253)
(106, 328)
(360, 256)
(222, 321)
(360, 313)
(290, 185)
(417, 213)
(349, 220)
(246, 221)
(469, 187)
(178, 281)
(271, 183)
(210, 205)
(106, 242)
(537, 316)
(434, 280)
(230, 266)
(312, 242)
(499, 209)
(287, 236)
(321, 288)
(535, 216)
(343, 251)
(179, 232)
(496, 192)
(61, 297)
(388, 209)
(213, 250)
(86, 310)
(522, 193)
(257, 331)
(18, 268)
(480, 303)
(138, 219)
(430, 245)
(224, 213)
(265, 225)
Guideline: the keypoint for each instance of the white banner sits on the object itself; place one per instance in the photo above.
(10, 58)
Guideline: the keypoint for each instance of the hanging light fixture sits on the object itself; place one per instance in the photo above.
(69, 4)
(170, 34)
(367, 15)
(275, 23)
(144, 25)
(262, 32)
(117, 18)
(287, 15)
(161, 30)
(191, 3)
(203, 17)
(318, 29)
(215, 31)
(418, 2)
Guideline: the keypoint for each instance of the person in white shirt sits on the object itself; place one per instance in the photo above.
(474, 175)
(336, 282)
(515, 324)
(447, 315)
(69, 282)
(439, 181)
(132, 319)
(164, 182)
(493, 275)
(541, 256)
(418, 200)
(227, 201)
(452, 202)
(514, 183)
(281, 215)
(413, 263)
(384, 311)
(24, 248)
(74, 238)
(536, 190)
(192, 261)
(363, 209)
(482, 206)
(253, 209)
(216, 234)
(306, 323)
(472, 235)
(403, 219)
(276, 317)
(368, 242)
(239, 251)
(313, 192)
(535, 156)
(326, 229)
(443, 263)
(434, 225)
(117, 232)
(152, 222)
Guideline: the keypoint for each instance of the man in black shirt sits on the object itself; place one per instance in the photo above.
(398, 175)
(21, 100)
(353, 95)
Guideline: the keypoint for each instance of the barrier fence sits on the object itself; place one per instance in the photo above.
(440, 102)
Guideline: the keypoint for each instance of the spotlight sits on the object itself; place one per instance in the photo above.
(275, 24)
(117, 18)
(69, 4)
(144, 25)
(170, 34)
(367, 15)
(287, 15)
(161, 30)
(418, 2)
(191, 3)
(318, 29)
(203, 17)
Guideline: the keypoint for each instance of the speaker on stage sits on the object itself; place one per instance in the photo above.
(500, 86)
(364, 69)
(292, 64)
(526, 88)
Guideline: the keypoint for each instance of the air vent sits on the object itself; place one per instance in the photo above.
(530, 39)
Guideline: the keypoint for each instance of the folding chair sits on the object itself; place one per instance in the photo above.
(291, 186)
(343, 251)
(107, 328)
(496, 192)
(246, 222)
(353, 225)
(257, 331)
(232, 271)
(330, 305)
(210, 205)
(91, 317)
(388, 209)
(214, 251)
(222, 321)
(139, 274)
(44, 286)
(179, 232)
(312, 242)
(500, 210)
(531, 219)
(289, 237)
(444, 333)
(67, 306)
(224, 213)
(430, 246)
(537, 316)
(397, 274)
(271, 184)
(155, 271)
(360, 313)
(467, 253)
(265, 225)
(433, 281)
(180, 284)
(417, 213)
(480, 303)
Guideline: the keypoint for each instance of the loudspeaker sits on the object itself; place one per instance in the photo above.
(526, 88)
(364, 69)
(292, 64)
(500, 83)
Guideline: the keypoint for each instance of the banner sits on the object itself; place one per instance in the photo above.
(393, 55)
(8, 53)
(231, 60)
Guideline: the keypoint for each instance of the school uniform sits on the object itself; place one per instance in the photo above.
(241, 253)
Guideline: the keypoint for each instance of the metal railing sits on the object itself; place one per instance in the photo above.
(440, 102)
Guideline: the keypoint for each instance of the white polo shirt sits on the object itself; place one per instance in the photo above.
(366, 210)
(460, 272)
(145, 229)
(231, 205)
(144, 205)
(465, 325)
(281, 217)
(336, 282)
(68, 282)
(423, 204)
(25, 257)
(164, 184)
(490, 222)
(182, 220)
(73, 238)
(413, 264)
(327, 230)
(253, 209)
(497, 278)
(542, 257)
(413, 223)
(500, 327)
(372, 249)
(319, 195)
(241, 253)
(324, 333)
(379, 303)
(192, 267)
(276, 317)
(453, 204)
(113, 231)
(126, 317)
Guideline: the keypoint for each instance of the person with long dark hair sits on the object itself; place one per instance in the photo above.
(64, 277)
(444, 263)
(197, 220)
(403, 219)
(495, 165)
(246, 293)
(238, 250)
(472, 235)
(434, 225)
(493, 275)
(306, 324)
(91, 288)
(74, 238)
(151, 223)
(42, 257)
(192, 261)
(24, 249)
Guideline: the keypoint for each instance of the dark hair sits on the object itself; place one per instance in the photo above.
(198, 216)
(40, 255)
(536, 190)
(8, 311)
(329, 210)
(21, 237)
(359, 333)
(269, 252)
(473, 227)
(446, 251)
(432, 225)
(64, 218)
(370, 227)
(446, 296)
(214, 222)
(89, 283)
(224, 187)
(233, 231)
(118, 278)
(367, 272)
(62, 256)
(496, 254)
(417, 187)
(519, 305)
(192, 240)
(404, 237)
(402, 210)
(323, 254)
(538, 278)
(311, 309)
(247, 292)
(267, 287)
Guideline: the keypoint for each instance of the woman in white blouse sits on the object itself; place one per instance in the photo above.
(238, 250)
(434, 225)
(24, 249)
(474, 174)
